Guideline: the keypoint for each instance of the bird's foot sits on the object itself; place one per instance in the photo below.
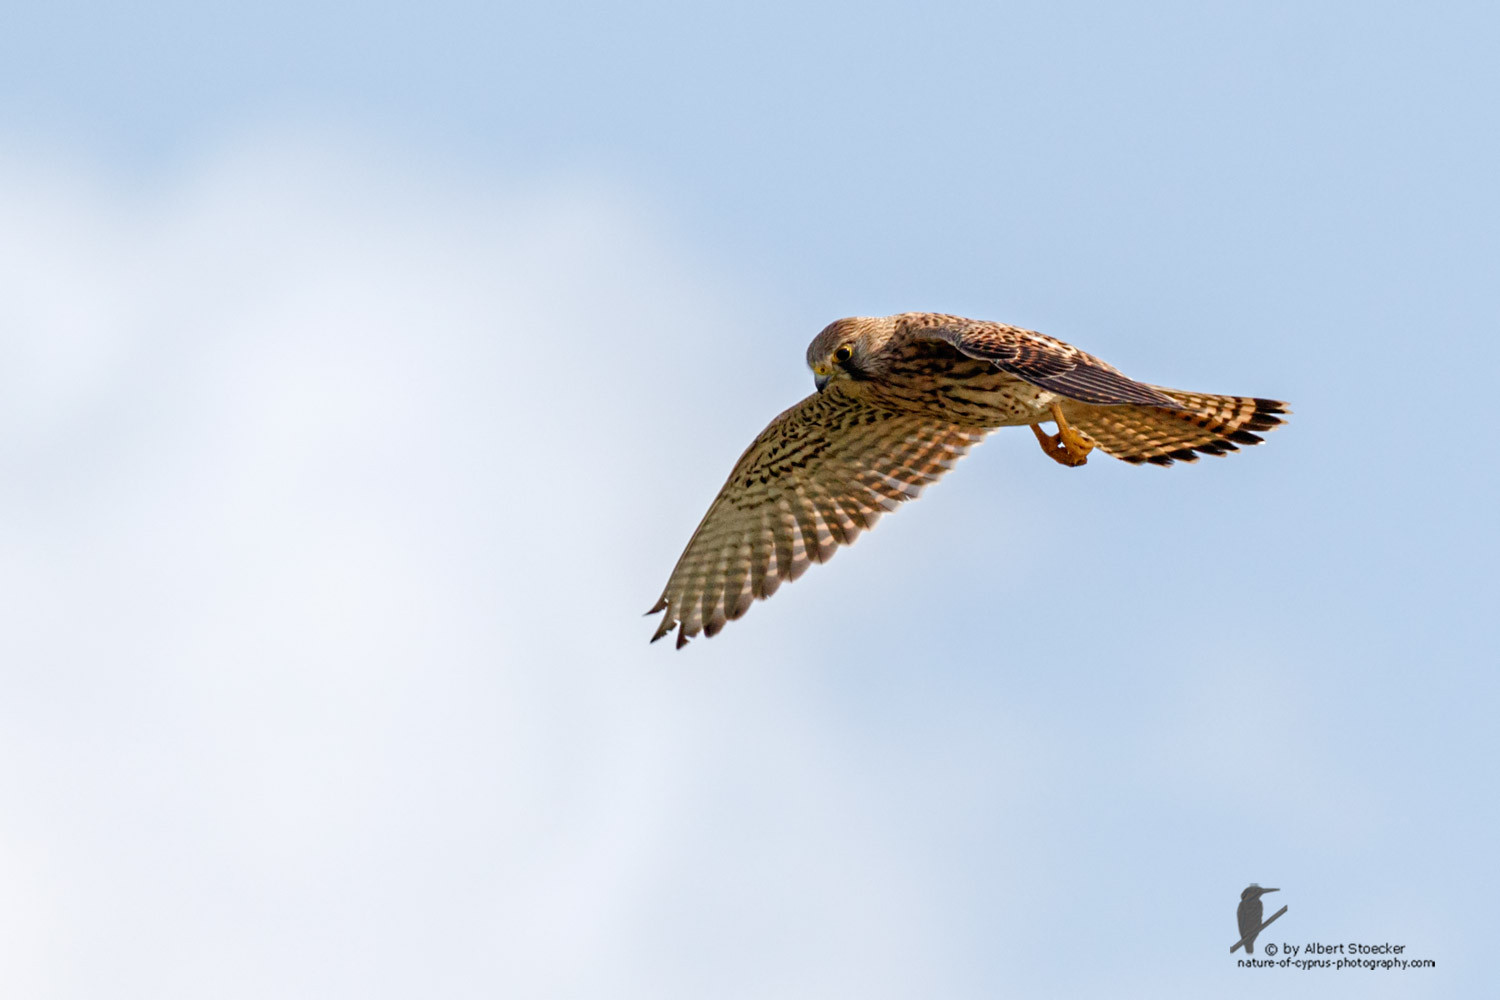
(1067, 446)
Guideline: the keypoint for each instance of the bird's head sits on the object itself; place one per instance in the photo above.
(849, 349)
(1253, 891)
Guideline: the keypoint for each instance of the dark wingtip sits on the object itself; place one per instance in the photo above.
(1268, 413)
(664, 627)
(660, 605)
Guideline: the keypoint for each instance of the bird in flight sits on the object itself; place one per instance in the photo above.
(899, 400)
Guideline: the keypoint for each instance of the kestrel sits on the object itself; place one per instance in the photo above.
(900, 399)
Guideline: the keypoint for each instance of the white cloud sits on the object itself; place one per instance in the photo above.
(334, 494)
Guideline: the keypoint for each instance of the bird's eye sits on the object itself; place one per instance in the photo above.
(843, 354)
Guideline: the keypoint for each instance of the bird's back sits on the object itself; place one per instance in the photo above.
(935, 379)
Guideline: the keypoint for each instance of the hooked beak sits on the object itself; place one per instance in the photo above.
(821, 380)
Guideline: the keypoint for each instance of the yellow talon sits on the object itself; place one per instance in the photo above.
(1067, 446)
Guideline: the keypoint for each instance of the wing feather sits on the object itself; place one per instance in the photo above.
(1044, 361)
(816, 478)
(1200, 423)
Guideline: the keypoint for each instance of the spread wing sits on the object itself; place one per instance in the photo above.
(821, 473)
(1043, 361)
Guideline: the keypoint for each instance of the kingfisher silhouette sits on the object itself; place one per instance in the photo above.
(1249, 914)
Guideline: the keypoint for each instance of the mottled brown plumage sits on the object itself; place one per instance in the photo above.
(900, 399)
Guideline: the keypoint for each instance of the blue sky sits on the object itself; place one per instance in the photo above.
(365, 371)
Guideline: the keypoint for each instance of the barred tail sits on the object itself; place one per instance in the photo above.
(1212, 425)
